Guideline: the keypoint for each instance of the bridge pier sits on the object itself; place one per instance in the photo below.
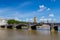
(10, 26)
(2, 26)
(56, 28)
(18, 27)
(53, 28)
(33, 27)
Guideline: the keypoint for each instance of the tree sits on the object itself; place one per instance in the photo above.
(12, 21)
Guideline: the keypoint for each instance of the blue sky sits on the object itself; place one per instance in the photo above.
(26, 10)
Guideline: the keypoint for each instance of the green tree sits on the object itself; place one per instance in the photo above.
(12, 21)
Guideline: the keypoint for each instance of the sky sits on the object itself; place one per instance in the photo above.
(26, 10)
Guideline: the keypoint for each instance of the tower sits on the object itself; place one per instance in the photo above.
(47, 21)
(35, 21)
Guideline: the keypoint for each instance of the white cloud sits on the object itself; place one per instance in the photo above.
(51, 15)
(27, 20)
(43, 20)
(48, 9)
(46, 19)
(31, 20)
(24, 4)
(16, 18)
(53, 0)
(17, 14)
(49, 19)
(54, 19)
(43, 17)
(5, 10)
(42, 7)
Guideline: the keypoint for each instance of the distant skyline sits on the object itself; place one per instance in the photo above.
(26, 10)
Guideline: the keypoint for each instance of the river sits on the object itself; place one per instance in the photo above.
(14, 34)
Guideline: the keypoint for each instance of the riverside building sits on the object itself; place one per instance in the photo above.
(3, 21)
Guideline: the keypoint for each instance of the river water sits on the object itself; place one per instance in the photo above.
(14, 34)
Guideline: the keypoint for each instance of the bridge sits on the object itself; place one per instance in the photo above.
(57, 24)
(39, 24)
(32, 25)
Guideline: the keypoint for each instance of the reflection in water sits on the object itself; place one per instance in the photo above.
(33, 32)
(54, 35)
(10, 34)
